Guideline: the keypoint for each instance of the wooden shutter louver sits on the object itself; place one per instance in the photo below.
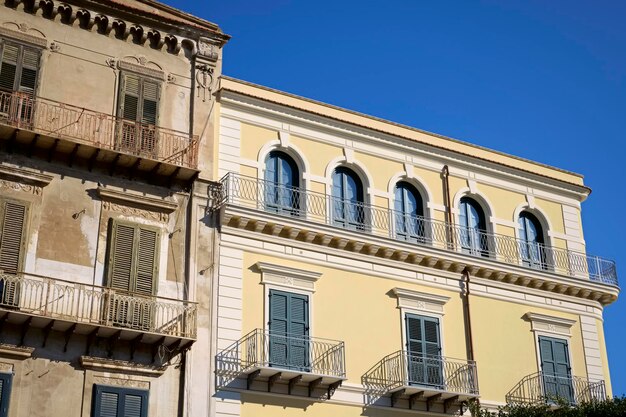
(11, 249)
(122, 257)
(30, 66)
(108, 405)
(133, 268)
(8, 69)
(119, 402)
(5, 393)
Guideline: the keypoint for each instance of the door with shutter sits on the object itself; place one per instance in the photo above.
(133, 270)
(289, 330)
(5, 393)
(119, 402)
(423, 351)
(12, 248)
(18, 75)
(555, 368)
(138, 112)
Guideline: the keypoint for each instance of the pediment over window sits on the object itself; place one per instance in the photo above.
(420, 301)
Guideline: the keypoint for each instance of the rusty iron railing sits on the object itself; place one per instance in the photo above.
(101, 306)
(295, 203)
(100, 130)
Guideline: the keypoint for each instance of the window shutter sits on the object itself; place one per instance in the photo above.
(30, 66)
(150, 105)
(431, 337)
(9, 66)
(133, 405)
(5, 393)
(119, 402)
(121, 256)
(108, 405)
(146, 261)
(414, 335)
(12, 236)
(129, 94)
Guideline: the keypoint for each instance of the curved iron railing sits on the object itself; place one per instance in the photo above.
(261, 348)
(544, 388)
(402, 368)
(322, 208)
(85, 303)
(101, 130)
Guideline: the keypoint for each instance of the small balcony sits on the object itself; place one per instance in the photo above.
(280, 363)
(73, 308)
(543, 388)
(51, 128)
(295, 204)
(410, 379)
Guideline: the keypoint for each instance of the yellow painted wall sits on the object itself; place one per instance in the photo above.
(318, 155)
(604, 357)
(362, 311)
(505, 346)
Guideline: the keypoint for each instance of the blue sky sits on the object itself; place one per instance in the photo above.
(542, 80)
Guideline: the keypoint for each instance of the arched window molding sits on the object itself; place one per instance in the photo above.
(420, 186)
(358, 168)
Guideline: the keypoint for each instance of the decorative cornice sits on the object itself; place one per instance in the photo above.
(19, 179)
(421, 301)
(286, 276)
(425, 256)
(549, 324)
(172, 35)
(16, 351)
(119, 366)
(22, 36)
(147, 203)
(141, 68)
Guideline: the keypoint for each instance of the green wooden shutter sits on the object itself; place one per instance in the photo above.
(146, 261)
(13, 222)
(121, 254)
(5, 393)
(151, 92)
(133, 258)
(423, 350)
(289, 330)
(119, 402)
(8, 69)
(30, 67)
(556, 368)
(130, 87)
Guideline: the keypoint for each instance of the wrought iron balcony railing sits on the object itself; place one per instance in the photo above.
(298, 354)
(100, 130)
(542, 388)
(406, 369)
(384, 222)
(75, 302)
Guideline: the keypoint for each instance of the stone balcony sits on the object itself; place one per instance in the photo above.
(73, 308)
(51, 129)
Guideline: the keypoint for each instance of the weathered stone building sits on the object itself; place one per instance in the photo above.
(106, 114)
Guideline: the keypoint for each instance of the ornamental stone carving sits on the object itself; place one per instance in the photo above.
(18, 186)
(133, 211)
(130, 383)
(208, 49)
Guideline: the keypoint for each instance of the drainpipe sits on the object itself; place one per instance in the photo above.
(445, 173)
(469, 340)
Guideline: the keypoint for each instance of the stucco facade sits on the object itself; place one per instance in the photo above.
(175, 242)
(106, 125)
(366, 279)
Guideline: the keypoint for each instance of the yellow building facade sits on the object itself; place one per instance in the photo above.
(369, 268)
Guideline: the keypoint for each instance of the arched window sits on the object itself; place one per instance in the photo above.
(347, 199)
(408, 213)
(473, 233)
(282, 180)
(532, 247)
